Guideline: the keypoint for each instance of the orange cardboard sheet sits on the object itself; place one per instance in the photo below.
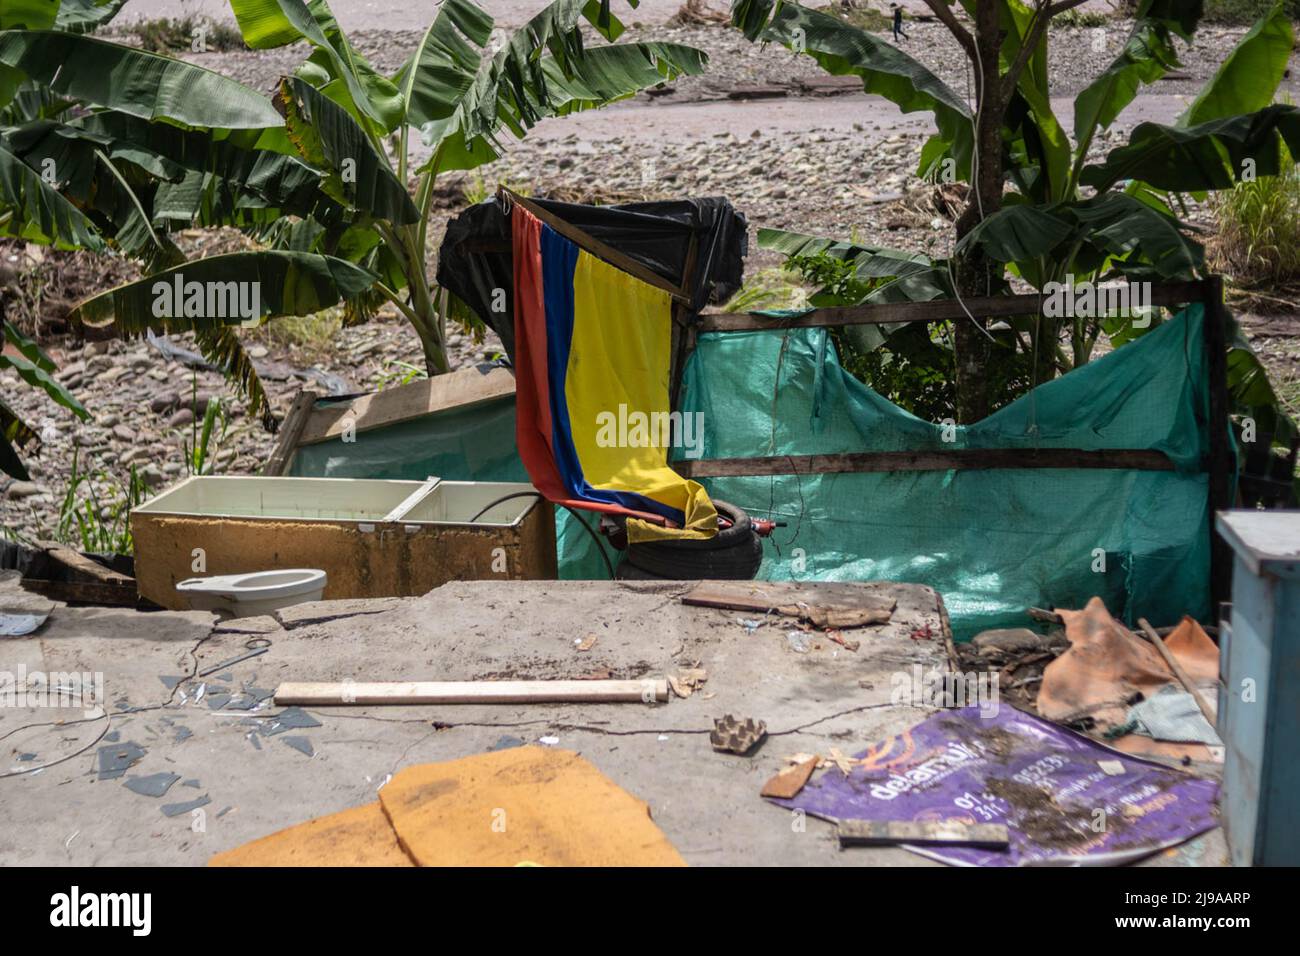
(525, 805)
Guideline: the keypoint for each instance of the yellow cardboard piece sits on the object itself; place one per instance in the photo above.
(534, 805)
(357, 837)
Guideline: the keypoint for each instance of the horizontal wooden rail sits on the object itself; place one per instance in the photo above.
(957, 459)
(940, 310)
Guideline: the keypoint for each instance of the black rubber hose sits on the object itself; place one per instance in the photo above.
(533, 494)
(518, 494)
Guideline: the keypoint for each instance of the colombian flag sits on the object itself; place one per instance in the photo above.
(591, 341)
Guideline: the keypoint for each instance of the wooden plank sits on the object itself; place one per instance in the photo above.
(941, 310)
(461, 389)
(959, 459)
(357, 694)
(600, 250)
(1215, 331)
(1177, 669)
(413, 499)
(85, 592)
(992, 836)
(290, 431)
(825, 604)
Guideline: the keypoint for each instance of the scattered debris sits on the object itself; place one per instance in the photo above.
(586, 643)
(300, 744)
(1172, 714)
(115, 761)
(20, 624)
(255, 652)
(790, 781)
(154, 785)
(176, 809)
(685, 682)
(291, 718)
(732, 735)
(825, 605)
(843, 641)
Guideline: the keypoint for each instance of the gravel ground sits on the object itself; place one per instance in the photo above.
(816, 158)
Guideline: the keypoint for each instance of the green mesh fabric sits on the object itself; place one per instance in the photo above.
(991, 542)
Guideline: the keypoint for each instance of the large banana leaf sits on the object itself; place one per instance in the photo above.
(890, 275)
(1248, 78)
(328, 135)
(222, 347)
(1206, 156)
(288, 283)
(32, 209)
(355, 84)
(508, 94)
(28, 14)
(138, 83)
(84, 16)
(842, 49)
(38, 377)
(14, 434)
(1148, 53)
(1130, 234)
(444, 65)
(1019, 233)
(1122, 226)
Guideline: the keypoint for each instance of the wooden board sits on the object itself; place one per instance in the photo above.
(290, 432)
(942, 310)
(992, 836)
(825, 604)
(958, 459)
(461, 389)
(357, 694)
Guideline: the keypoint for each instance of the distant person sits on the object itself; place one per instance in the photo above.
(898, 22)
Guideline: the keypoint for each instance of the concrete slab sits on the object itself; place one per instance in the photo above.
(58, 811)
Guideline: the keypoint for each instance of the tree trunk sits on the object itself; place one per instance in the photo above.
(975, 274)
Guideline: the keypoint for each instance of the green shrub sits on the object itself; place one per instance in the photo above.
(1258, 236)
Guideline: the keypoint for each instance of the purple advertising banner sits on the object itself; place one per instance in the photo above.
(1065, 799)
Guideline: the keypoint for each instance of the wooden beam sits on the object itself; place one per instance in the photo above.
(349, 694)
(961, 459)
(464, 388)
(1177, 670)
(1215, 331)
(601, 250)
(290, 431)
(940, 310)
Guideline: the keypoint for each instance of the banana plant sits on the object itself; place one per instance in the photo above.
(1036, 207)
(133, 146)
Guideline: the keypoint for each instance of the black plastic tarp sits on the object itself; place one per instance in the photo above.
(475, 261)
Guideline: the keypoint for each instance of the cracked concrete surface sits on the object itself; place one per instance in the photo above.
(706, 803)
